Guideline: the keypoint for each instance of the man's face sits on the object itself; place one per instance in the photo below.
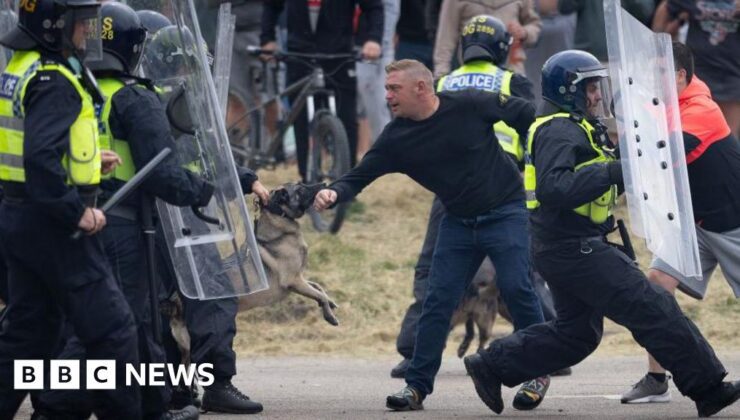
(593, 98)
(81, 33)
(401, 94)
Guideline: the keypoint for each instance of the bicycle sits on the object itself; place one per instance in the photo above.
(328, 151)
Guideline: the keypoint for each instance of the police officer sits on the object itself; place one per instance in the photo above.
(133, 123)
(485, 46)
(571, 182)
(50, 168)
(210, 323)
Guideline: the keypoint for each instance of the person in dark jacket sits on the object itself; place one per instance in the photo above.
(325, 26)
(50, 171)
(571, 181)
(445, 143)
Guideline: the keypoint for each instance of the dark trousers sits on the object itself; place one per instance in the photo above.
(124, 246)
(210, 323)
(342, 80)
(590, 281)
(407, 335)
(501, 234)
(52, 278)
(416, 51)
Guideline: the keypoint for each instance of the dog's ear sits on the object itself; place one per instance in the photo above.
(309, 191)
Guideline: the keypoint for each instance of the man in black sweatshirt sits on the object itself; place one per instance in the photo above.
(445, 143)
(571, 194)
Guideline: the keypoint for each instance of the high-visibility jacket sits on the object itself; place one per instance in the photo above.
(483, 75)
(597, 210)
(82, 161)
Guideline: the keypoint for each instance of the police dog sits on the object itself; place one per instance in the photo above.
(479, 307)
(283, 251)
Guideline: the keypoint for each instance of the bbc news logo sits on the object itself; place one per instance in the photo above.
(101, 374)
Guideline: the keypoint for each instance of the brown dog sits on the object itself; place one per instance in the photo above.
(283, 251)
(479, 307)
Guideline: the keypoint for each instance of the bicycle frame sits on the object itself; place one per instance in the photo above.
(307, 87)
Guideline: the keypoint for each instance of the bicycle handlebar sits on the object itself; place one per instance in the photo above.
(281, 55)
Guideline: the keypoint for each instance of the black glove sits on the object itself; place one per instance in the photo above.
(206, 193)
(615, 174)
(246, 179)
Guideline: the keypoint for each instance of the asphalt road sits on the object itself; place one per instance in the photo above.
(343, 388)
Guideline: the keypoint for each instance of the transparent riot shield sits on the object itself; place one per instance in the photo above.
(8, 20)
(226, 25)
(650, 139)
(213, 249)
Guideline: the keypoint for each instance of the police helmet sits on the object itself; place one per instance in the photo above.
(50, 24)
(153, 21)
(167, 51)
(565, 78)
(123, 39)
(485, 38)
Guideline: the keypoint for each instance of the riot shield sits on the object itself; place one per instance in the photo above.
(213, 249)
(8, 20)
(650, 139)
(226, 25)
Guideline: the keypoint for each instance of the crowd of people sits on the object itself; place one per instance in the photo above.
(498, 107)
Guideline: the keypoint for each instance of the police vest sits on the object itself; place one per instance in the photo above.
(598, 210)
(82, 161)
(123, 172)
(483, 75)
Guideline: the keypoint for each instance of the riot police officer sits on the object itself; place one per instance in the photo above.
(50, 170)
(571, 181)
(133, 123)
(210, 323)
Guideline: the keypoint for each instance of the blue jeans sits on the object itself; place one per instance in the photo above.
(502, 235)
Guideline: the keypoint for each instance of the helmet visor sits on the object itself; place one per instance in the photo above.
(86, 33)
(598, 95)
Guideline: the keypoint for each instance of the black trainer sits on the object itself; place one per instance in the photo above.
(186, 413)
(399, 371)
(406, 399)
(724, 395)
(488, 386)
(224, 397)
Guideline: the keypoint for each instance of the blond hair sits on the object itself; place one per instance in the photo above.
(416, 70)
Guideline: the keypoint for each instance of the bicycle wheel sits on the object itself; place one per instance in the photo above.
(328, 159)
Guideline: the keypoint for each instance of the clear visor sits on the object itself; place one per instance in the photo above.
(84, 33)
(599, 97)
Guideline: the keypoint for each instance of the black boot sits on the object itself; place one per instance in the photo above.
(187, 413)
(724, 395)
(487, 385)
(223, 397)
(399, 371)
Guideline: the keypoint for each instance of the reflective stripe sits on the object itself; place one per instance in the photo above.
(14, 161)
(11, 123)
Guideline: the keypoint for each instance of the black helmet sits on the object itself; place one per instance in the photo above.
(565, 77)
(165, 56)
(153, 21)
(123, 39)
(50, 24)
(485, 38)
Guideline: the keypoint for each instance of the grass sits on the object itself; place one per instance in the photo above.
(368, 270)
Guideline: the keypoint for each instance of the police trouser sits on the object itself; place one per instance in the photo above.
(124, 246)
(407, 335)
(344, 84)
(210, 323)
(51, 278)
(591, 280)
